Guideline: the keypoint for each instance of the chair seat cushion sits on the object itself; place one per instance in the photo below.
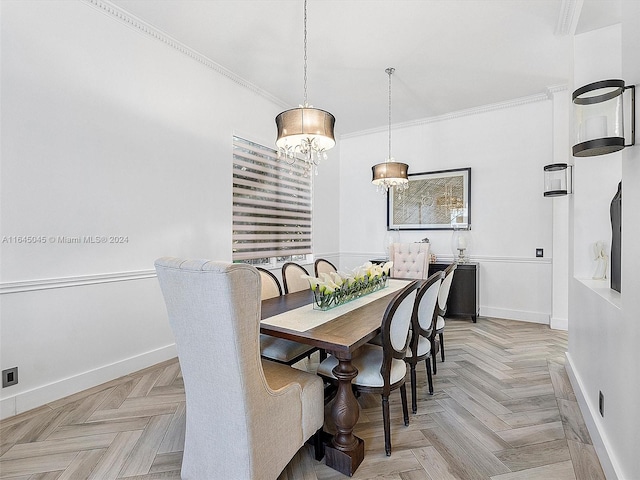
(439, 323)
(281, 349)
(424, 347)
(368, 360)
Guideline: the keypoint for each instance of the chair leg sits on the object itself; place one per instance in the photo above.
(318, 444)
(387, 425)
(441, 335)
(414, 393)
(435, 367)
(323, 354)
(405, 409)
(429, 376)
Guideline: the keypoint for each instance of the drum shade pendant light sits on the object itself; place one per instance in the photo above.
(390, 173)
(305, 133)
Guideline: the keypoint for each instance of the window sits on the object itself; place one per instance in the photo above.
(271, 206)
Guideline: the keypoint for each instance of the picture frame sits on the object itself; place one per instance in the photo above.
(439, 200)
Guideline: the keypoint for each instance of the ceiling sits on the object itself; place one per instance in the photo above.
(449, 55)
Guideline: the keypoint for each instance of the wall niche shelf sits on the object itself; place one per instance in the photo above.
(602, 288)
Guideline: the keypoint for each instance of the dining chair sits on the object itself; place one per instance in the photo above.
(279, 349)
(270, 286)
(246, 417)
(421, 332)
(410, 260)
(382, 369)
(323, 266)
(292, 274)
(443, 296)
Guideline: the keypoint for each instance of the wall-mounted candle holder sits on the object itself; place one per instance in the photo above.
(599, 118)
(558, 179)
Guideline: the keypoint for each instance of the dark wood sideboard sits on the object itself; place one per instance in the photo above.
(464, 293)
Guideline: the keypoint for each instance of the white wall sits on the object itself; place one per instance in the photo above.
(506, 147)
(110, 131)
(603, 325)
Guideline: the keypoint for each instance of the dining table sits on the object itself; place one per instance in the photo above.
(340, 331)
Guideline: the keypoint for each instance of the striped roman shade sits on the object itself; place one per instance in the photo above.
(271, 204)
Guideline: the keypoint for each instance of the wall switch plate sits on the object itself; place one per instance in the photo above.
(9, 377)
(539, 252)
(601, 403)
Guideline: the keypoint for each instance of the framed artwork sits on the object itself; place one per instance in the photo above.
(434, 201)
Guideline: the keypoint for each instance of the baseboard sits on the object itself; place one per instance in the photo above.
(44, 394)
(590, 413)
(523, 316)
(559, 323)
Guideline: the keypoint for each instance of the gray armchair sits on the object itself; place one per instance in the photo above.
(246, 417)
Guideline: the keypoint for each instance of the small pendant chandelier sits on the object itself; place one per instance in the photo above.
(390, 173)
(305, 133)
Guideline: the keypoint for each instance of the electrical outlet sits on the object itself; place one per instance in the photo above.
(601, 403)
(9, 377)
(539, 252)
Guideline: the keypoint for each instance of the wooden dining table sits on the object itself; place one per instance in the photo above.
(340, 331)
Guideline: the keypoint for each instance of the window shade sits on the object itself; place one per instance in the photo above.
(271, 204)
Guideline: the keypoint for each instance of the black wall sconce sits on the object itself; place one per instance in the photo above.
(558, 179)
(599, 118)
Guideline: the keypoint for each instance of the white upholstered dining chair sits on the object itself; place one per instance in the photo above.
(410, 260)
(443, 296)
(422, 331)
(273, 348)
(381, 368)
(292, 278)
(246, 417)
(323, 266)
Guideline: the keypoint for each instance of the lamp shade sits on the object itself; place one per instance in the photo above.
(390, 173)
(305, 125)
(599, 118)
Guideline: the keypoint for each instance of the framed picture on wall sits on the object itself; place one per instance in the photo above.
(438, 200)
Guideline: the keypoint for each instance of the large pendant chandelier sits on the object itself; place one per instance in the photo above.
(305, 133)
(390, 173)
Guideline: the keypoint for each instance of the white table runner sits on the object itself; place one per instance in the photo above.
(306, 318)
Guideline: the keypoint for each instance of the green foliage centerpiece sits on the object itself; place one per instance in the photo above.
(337, 288)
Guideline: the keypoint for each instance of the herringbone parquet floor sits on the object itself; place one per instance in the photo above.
(503, 409)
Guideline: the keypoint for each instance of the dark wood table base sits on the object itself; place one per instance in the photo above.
(345, 462)
(346, 451)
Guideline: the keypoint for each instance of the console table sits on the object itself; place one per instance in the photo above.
(463, 296)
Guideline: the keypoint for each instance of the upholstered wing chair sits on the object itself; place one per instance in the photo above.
(246, 418)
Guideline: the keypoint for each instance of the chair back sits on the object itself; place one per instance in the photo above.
(214, 313)
(426, 308)
(395, 327)
(292, 278)
(410, 260)
(445, 287)
(323, 266)
(270, 286)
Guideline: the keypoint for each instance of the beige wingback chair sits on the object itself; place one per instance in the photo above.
(410, 260)
(246, 418)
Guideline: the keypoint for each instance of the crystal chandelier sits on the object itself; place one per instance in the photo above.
(390, 173)
(305, 133)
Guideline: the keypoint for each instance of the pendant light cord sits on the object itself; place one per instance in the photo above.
(389, 71)
(305, 53)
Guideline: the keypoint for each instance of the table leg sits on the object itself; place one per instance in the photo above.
(346, 451)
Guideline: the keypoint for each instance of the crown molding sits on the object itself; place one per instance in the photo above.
(517, 102)
(131, 21)
(568, 17)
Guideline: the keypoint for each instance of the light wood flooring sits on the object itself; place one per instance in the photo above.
(503, 409)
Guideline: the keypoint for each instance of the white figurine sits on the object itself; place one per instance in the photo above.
(602, 259)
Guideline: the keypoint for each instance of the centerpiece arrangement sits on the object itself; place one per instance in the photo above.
(337, 288)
